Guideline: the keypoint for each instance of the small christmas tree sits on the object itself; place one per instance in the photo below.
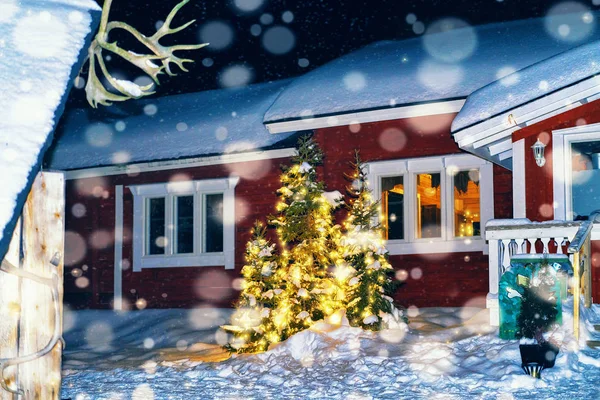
(251, 322)
(538, 305)
(369, 302)
(307, 233)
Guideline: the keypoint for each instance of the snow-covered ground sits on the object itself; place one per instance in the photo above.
(446, 354)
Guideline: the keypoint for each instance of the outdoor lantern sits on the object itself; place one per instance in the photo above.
(538, 153)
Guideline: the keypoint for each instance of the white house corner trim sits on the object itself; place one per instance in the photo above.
(118, 261)
(518, 179)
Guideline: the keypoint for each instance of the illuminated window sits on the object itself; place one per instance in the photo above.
(467, 204)
(429, 206)
(435, 204)
(392, 204)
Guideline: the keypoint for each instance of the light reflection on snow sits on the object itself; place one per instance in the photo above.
(458, 42)
(99, 134)
(143, 392)
(121, 157)
(29, 110)
(150, 109)
(440, 77)
(99, 335)
(8, 9)
(355, 81)
(507, 76)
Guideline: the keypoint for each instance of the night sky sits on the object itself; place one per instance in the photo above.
(261, 40)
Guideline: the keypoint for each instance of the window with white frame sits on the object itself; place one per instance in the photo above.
(444, 200)
(576, 166)
(183, 224)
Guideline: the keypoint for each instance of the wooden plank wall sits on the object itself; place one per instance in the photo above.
(29, 301)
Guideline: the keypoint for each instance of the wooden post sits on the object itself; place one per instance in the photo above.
(41, 241)
(588, 274)
(10, 309)
(576, 294)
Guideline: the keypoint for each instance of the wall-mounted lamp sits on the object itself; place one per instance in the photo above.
(538, 153)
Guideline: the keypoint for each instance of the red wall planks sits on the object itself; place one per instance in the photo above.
(449, 279)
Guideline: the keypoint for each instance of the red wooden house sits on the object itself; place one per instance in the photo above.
(162, 193)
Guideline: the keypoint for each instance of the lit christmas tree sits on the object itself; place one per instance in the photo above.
(369, 304)
(251, 321)
(308, 236)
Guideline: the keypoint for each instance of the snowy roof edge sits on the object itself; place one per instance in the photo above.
(9, 228)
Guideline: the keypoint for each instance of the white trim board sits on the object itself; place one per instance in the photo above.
(491, 132)
(361, 117)
(198, 189)
(118, 261)
(178, 164)
(447, 166)
(518, 179)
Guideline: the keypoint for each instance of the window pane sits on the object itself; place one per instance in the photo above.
(585, 170)
(185, 224)
(429, 206)
(213, 236)
(392, 204)
(467, 217)
(156, 226)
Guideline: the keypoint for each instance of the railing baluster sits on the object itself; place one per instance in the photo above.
(545, 242)
(559, 245)
(532, 250)
(505, 254)
(512, 247)
(522, 246)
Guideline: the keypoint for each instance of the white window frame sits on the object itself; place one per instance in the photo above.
(171, 190)
(446, 165)
(562, 170)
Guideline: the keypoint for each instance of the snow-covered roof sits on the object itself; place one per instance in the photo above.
(167, 128)
(434, 67)
(41, 44)
(529, 84)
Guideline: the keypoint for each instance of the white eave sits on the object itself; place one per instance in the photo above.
(361, 117)
(492, 138)
(134, 169)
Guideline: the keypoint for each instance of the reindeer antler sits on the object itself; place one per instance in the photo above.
(96, 93)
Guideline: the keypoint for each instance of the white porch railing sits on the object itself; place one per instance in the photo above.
(509, 237)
